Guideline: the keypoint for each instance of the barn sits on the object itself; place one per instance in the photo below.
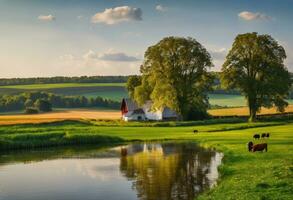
(132, 112)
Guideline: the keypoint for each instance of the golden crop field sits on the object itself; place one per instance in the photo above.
(58, 116)
(243, 111)
(78, 114)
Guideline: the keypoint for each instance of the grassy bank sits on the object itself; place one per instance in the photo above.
(244, 175)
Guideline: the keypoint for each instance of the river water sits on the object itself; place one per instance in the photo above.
(147, 171)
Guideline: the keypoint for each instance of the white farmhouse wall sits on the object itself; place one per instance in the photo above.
(133, 117)
(150, 114)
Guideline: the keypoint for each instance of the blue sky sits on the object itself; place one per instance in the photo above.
(74, 38)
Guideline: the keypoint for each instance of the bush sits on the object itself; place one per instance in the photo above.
(31, 111)
(43, 105)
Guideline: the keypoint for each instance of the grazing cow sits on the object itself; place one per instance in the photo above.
(263, 135)
(268, 135)
(250, 145)
(195, 131)
(256, 136)
(257, 147)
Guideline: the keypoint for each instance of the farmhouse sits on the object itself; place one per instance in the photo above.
(132, 112)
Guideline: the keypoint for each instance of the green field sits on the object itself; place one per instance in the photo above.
(60, 85)
(244, 175)
(114, 91)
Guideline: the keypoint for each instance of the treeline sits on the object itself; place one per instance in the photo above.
(62, 79)
(30, 99)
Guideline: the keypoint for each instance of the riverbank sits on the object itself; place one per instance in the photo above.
(244, 175)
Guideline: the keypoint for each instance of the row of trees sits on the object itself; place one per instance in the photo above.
(38, 99)
(175, 74)
(62, 79)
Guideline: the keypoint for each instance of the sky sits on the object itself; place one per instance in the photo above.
(41, 38)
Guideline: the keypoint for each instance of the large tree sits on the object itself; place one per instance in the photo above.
(132, 82)
(174, 75)
(255, 66)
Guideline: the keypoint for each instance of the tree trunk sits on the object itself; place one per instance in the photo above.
(252, 109)
(252, 115)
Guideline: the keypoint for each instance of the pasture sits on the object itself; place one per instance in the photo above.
(244, 175)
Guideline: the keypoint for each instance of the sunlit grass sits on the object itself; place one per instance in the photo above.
(244, 175)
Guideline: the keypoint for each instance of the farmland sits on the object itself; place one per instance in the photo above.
(98, 114)
(114, 91)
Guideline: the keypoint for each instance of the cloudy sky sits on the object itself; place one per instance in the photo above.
(109, 37)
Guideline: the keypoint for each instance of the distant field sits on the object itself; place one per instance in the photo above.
(114, 91)
(87, 114)
(243, 111)
(59, 115)
(60, 85)
(227, 100)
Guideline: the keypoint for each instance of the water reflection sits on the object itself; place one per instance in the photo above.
(150, 171)
(169, 171)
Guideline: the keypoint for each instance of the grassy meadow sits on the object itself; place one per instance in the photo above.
(244, 175)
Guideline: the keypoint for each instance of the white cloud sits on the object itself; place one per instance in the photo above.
(111, 55)
(122, 57)
(46, 18)
(93, 63)
(90, 55)
(250, 16)
(116, 15)
(161, 8)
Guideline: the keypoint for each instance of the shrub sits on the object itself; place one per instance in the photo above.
(43, 105)
(31, 110)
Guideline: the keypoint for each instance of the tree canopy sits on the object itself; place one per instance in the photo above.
(255, 66)
(174, 75)
(132, 82)
(43, 105)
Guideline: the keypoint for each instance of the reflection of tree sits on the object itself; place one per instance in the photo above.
(168, 171)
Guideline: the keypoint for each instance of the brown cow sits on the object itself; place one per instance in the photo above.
(257, 147)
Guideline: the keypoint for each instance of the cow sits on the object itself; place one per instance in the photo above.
(250, 145)
(263, 135)
(268, 135)
(256, 136)
(257, 147)
(195, 131)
